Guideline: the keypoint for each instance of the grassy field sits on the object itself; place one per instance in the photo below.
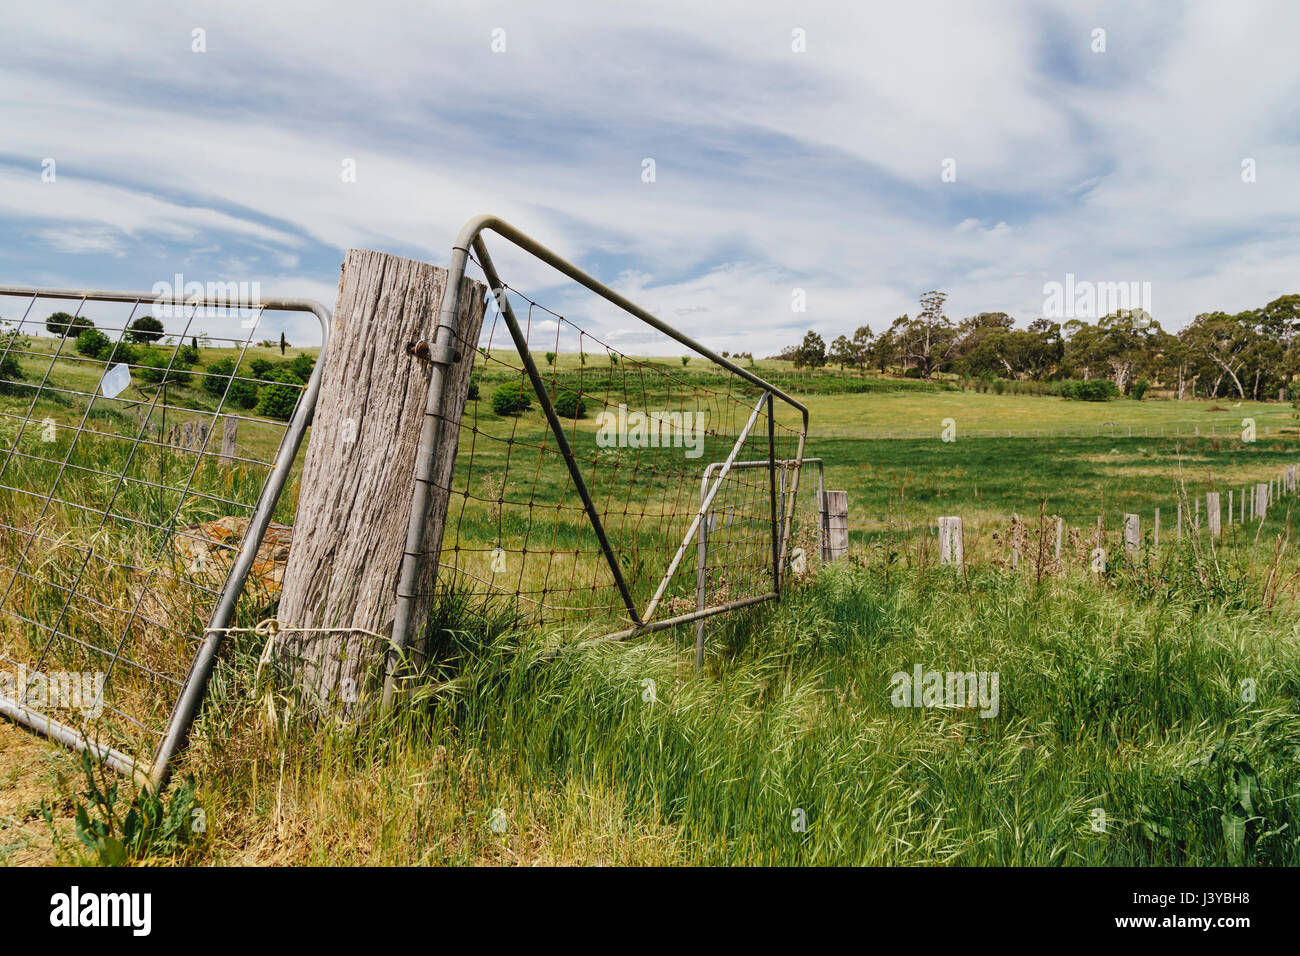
(1123, 732)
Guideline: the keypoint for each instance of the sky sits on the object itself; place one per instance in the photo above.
(862, 153)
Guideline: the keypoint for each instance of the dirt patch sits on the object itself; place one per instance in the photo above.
(31, 770)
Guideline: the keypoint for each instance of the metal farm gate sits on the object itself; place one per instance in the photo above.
(141, 463)
(558, 523)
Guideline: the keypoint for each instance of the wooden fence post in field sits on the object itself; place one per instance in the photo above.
(1229, 506)
(349, 535)
(1261, 501)
(229, 440)
(950, 541)
(837, 525)
(1132, 533)
(1212, 513)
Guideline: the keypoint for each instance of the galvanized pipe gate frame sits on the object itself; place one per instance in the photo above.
(153, 772)
(444, 354)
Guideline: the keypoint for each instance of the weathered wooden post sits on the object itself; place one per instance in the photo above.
(354, 505)
(1156, 529)
(1132, 533)
(1229, 506)
(1261, 501)
(1212, 513)
(950, 541)
(229, 440)
(837, 525)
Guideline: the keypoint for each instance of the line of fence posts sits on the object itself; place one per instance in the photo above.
(1251, 506)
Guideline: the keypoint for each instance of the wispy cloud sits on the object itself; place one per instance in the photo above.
(774, 169)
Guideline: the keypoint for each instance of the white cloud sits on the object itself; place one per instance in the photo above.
(774, 169)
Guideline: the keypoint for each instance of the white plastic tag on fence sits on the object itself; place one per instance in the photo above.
(116, 380)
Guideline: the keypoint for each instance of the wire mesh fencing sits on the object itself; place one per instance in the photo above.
(575, 501)
(144, 444)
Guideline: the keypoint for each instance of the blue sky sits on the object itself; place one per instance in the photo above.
(775, 169)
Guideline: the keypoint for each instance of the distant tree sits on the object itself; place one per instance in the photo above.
(144, 330)
(283, 343)
(885, 350)
(550, 358)
(811, 353)
(929, 340)
(61, 323)
(862, 346)
(842, 353)
(1225, 341)
(686, 360)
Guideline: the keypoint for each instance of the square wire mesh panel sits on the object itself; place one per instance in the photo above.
(730, 557)
(521, 542)
(140, 441)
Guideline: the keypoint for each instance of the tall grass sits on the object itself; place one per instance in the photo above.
(1126, 699)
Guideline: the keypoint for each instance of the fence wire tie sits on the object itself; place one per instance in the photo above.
(271, 628)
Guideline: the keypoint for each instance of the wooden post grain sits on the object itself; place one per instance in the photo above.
(229, 440)
(1132, 533)
(950, 541)
(837, 524)
(354, 506)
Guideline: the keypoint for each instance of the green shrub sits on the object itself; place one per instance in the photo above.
(511, 399)
(261, 369)
(218, 378)
(279, 396)
(569, 404)
(10, 372)
(93, 343)
(473, 389)
(155, 365)
(1140, 388)
(302, 366)
(217, 375)
(1092, 390)
(188, 355)
(121, 352)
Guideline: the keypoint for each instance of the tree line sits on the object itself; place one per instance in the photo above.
(1253, 354)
